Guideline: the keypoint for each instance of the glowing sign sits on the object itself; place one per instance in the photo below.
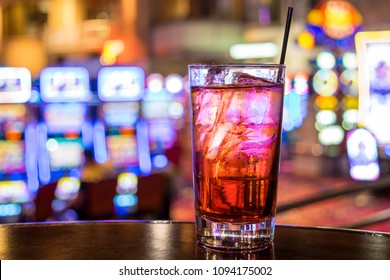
(15, 85)
(122, 83)
(362, 155)
(65, 84)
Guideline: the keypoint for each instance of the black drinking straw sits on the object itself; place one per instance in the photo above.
(286, 32)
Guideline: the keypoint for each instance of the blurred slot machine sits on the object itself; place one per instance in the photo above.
(370, 152)
(64, 134)
(120, 136)
(163, 108)
(18, 166)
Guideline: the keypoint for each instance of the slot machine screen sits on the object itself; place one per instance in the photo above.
(12, 118)
(12, 157)
(155, 109)
(65, 154)
(15, 85)
(121, 83)
(65, 84)
(120, 114)
(60, 118)
(122, 150)
(162, 135)
(13, 191)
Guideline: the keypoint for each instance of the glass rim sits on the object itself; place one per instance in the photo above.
(237, 65)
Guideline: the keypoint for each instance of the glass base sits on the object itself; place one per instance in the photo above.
(233, 236)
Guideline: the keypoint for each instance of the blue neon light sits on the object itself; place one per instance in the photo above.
(87, 134)
(43, 155)
(99, 139)
(31, 158)
(9, 210)
(125, 200)
(160, 161)
(145, 163)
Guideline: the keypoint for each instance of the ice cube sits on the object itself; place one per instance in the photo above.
(234, 110)
(255, 108)
(244, 79)
(221, 133)
(216, 76)
(206, 112)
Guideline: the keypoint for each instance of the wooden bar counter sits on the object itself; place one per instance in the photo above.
(169, 240)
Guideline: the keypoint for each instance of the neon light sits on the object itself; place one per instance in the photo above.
(99, 140)
(155, 83)
(67, 188)
(325, 82)
(87, 134)
(174, 83)
(351, 116)
(176, 110)
(145, 163)
(331, 135)
(349, 60)
(127, 183)
(31, 157)
(123, 83)
(349, 82)
(14, 191)
(125, 200)
(306, 40)
(111, 50)
(362, 155)
(326, 117)
(51, 145)
(10, 210)
(301, 83)
(326, 102)
(43, 155)
(326, 60)
(160, 161)
(254, 50)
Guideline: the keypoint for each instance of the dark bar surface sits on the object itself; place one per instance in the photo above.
(169, 240)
